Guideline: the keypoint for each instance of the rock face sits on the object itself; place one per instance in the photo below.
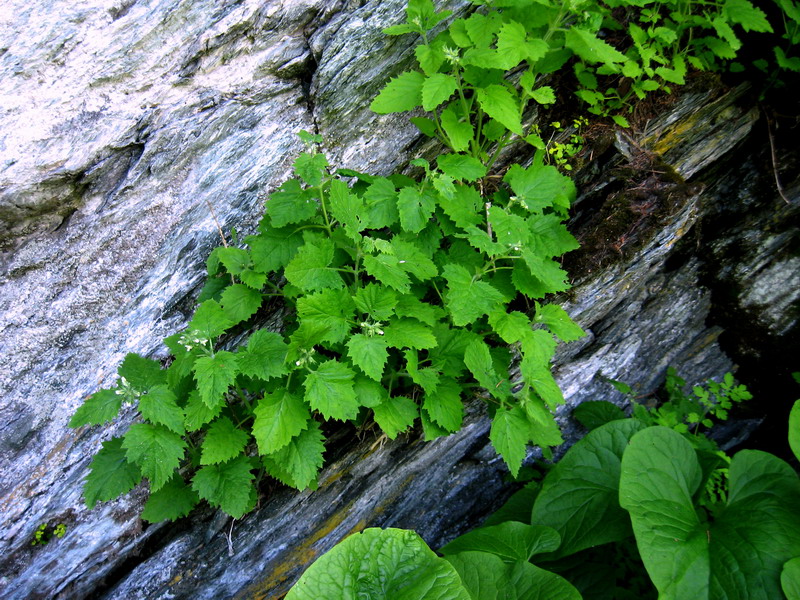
(133, 131)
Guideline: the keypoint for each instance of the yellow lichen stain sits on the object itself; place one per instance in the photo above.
(175, 580)
(302, 555)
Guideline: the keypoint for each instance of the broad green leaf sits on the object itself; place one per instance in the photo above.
(794, 429)
(299, 461)
(310, 167)
(99, 408)
(412, 259)
(485, 575)
(790, 579)
(430, 429)
(290, 204)
(550, 237)
(466, 300)
(331, 309)
(540, 378)
(408, 333)
(377, 301)
(410, 306)
(510, 326)
(173, 501)
(370, 393)
(511, 44)
(386, 269)
(395, 415)
(210, 320)
(544, 429)
(111, 474)
(415, 209)
(142, 373)
(159, 406)
(264, 357)
(544, 95)
(273, 248)
(459, 132)
(559, 322)
(444, 404)
(309, 269)
(595, 413)
(500, 104)
(511, 541)
(240, 302)
(742, 12)
(538, 347)
(368, 353)
(580, 495)
(430, 58)
(402, 93)
(464, 207)
(547, 271)
(253, 279)
(448, 355)
(346, 208)
(659, 477)
(461, 167)
(482, 241)
(591, 48)
(436, 89)
(380, 564)
(235, 260)
(279, 417)
(510, 230)
(540, 186)
(509, 435)
(479, 362)
(157, 450)
(329, 390)
(482, 28)
(223, 442)
(214, 375)
(529, 581)
(227, 485)
(198, 413)
(517, 507)
(381, 204)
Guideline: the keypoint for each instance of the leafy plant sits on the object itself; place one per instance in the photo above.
(44, 533)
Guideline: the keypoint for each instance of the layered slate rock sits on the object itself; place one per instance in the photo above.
(133, 132)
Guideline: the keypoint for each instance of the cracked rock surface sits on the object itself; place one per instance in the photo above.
(132, 131)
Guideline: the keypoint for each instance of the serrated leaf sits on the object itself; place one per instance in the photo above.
(410, 306)
(437, 88)
(510, 230)
(329, 390)
(235, 260)
(376, 300)
(549, 273)
(509, 435)
(370, 393)
(427, 377)
(157, 450)
(544, 429)
(549, 237)
(173, 501)
(591, 48)
(279, 417)
(459, 132)
(415, 209)
(748, 16)
(500, 104)
(402, 93)
(210, 320)
(264, 357)
(214, 375)
(310, 167)
(290, 204)
(272, 249)
(368, 353)
(461, 167)
(395, 415)
(479, 362)
(387, 270)
(346, 208)
(559, 322)
(309, 269)
(160, 406)
(227, 485)
(331, 309)
(198, 413)
(111, 474)
(467, 299)
(141, 373)
(408, 333)
(412, 259)
(464, 207)
(99, 408)
(444, 405)
(511, 44)
(510, 326)
(240, 302)
(541, 379)
(223, 442)
(544, 95)
(430, 58)
(540, 186)
(482, 28)
(381, 204)
(299, 461)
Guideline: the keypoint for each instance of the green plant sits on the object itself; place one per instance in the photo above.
(44, 533)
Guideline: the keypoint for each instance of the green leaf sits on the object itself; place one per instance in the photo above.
(290, 204)
(594, 413)
(279, 417)
(540, 186)
(484, 575)
(415, 209)
(223, 442)
(544, 429)
(142, 373)
(479, 362)
(173, 501)
(235, 260)
(111, 475)
(412, 259)
(370, 393)
(408, 333)
(794, 429)
(198, 413)
(264, 357)
(214, 375)
(368, 353)
(437, 88)
(510, 326)
(510, 230)
(559, 322)
(580, 495)
(210, 320)
(509, 435)
(790, 579)
(240, 302)
(464, 207)
(309, 269)
(346, 208)
(532, 582)
(227, 485)
(410, 306)
(466, 300)
(511, 44)
(745, 14)
(591, 48)
(157, 450)
(160, 406)
(331, 309)
(329, 390)
(377, 301)
(461, 166)
(395, 415)
(402, 93)
(444, 405)
(459, 132)
(381, 204)
(100, 407)
(273, 248)
(380, 564)
(299, 461)
(544, 95)
(547, 271)
(386, 269)
(500, 104)
(540, 378)
(510, 541)
(549, 236)
(311, 167)
(430, 59)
